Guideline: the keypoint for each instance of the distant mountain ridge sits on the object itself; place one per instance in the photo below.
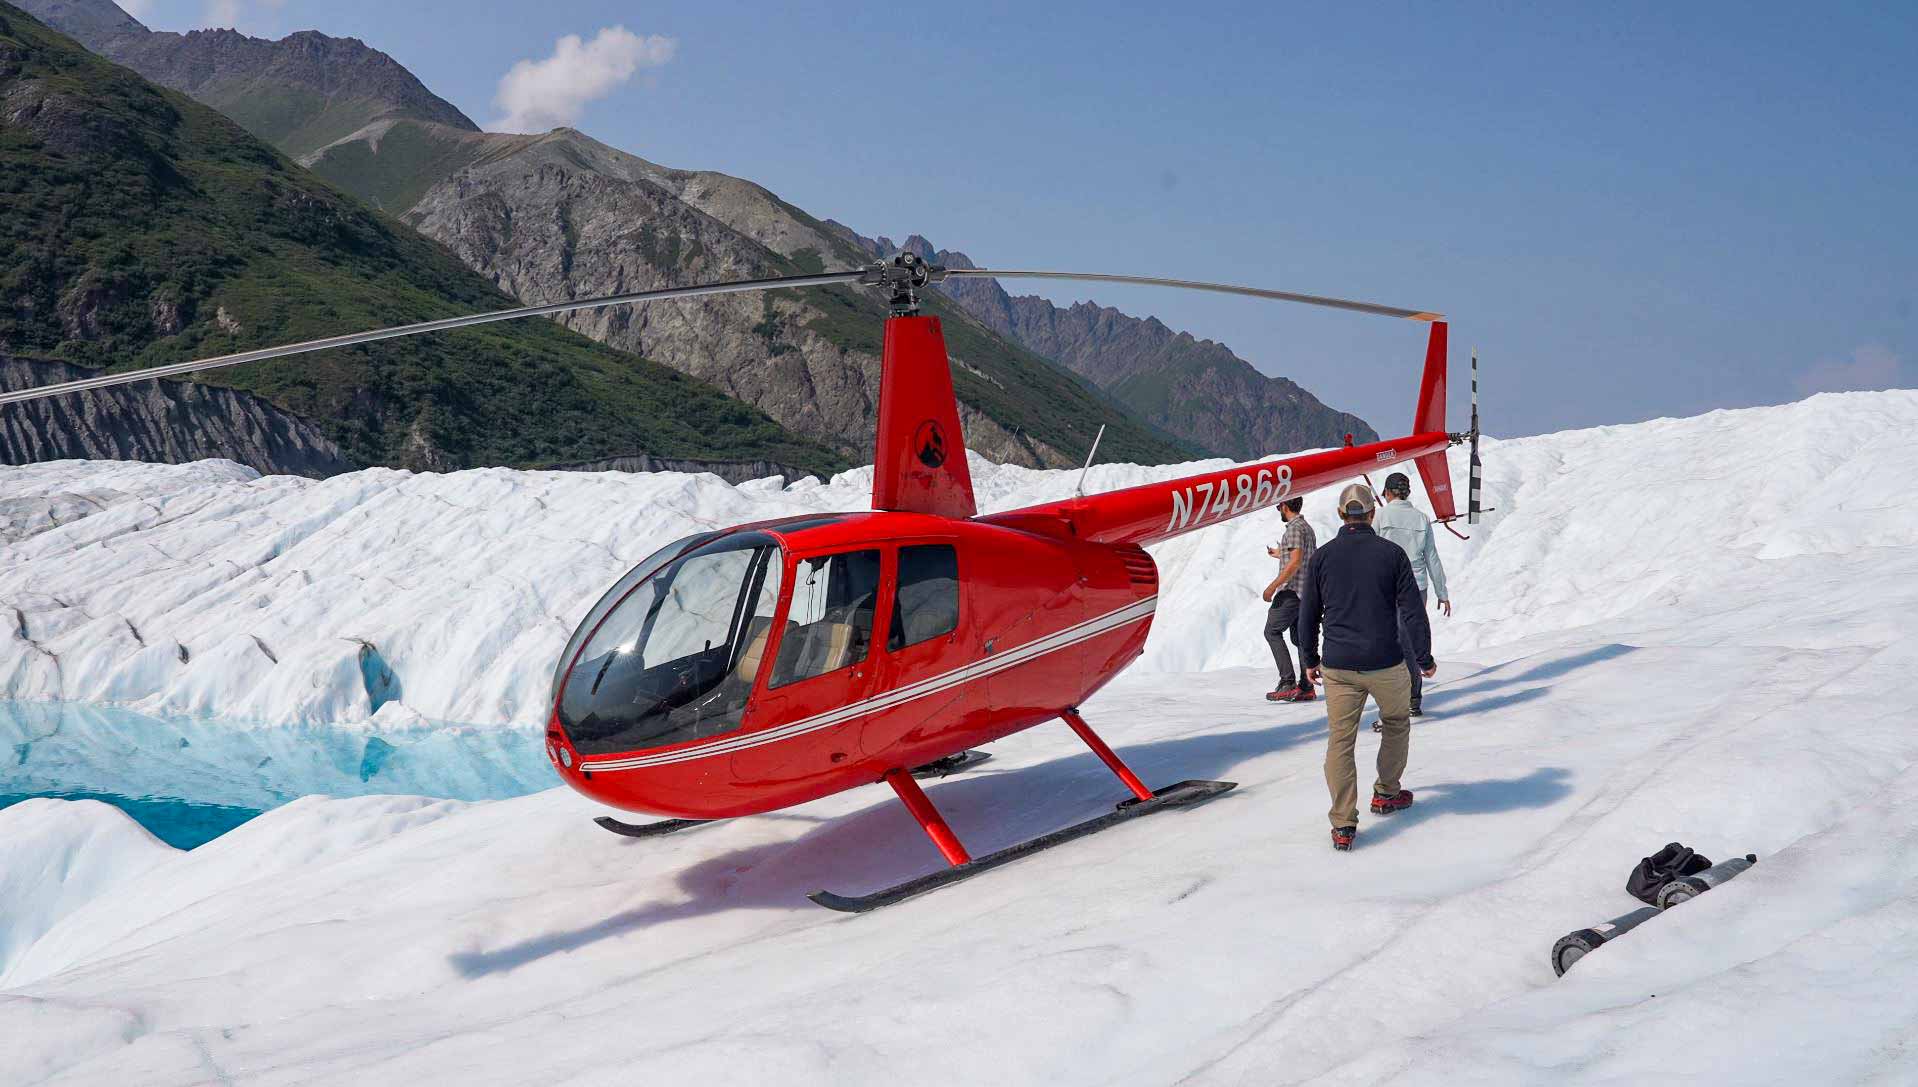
(562, 215)
(1182, 384)
(559, 215)
(299, 93)
(141, 227)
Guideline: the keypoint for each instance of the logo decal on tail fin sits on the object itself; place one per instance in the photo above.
(929, 444)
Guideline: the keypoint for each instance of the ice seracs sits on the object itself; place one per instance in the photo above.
(202, 589)
(1686, 629)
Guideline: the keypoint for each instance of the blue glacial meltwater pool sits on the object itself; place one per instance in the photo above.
(189, 780)
(182, 824)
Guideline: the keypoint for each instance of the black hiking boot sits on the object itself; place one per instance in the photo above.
(1342, 838)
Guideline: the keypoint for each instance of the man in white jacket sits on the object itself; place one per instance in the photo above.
(1400, 522)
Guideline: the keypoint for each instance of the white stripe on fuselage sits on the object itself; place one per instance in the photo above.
(1011, 658)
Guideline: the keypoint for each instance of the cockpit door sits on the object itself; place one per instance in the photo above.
(923, 665)
(822, 662)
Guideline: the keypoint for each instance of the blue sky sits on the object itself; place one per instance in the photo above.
(1633, 210)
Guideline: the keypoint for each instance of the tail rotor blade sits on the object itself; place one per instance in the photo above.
(902, 277)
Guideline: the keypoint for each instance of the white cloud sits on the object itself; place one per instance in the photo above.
(1873, 366)
(537, 95)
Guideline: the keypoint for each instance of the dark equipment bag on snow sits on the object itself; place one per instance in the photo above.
(1675, 861)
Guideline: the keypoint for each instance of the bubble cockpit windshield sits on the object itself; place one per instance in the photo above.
(674, 658)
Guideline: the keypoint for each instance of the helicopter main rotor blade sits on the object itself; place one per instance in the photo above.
(1196, 285)
(903, 276)
(397, 331)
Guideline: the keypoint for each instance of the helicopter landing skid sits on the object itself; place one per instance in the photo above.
(1173, 796)
(648, 830)
(964, 866)
(951, 764)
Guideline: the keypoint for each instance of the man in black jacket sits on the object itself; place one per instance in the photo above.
(1360, 589)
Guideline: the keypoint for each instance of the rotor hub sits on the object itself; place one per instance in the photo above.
(902, 276)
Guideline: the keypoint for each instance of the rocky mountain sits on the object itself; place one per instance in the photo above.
(139, 227)
(1188, 386)
(299, 93)
(174, 421)
(560, 215)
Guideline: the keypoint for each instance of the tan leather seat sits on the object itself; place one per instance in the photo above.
(838, 646)
(748, 665)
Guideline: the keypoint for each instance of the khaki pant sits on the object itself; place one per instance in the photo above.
(1345, 693)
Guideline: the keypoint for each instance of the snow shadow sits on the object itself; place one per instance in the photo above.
(1443, 705)
(708, 883)
(1541, 672)
(990, 809)
(1447, 701)
(1541, 788)
(880, 844)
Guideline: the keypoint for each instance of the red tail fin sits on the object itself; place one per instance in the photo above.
(1430, 419)
(919, 457)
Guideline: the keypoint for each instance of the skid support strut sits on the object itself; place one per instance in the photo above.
(930, 820)
(1099, 748)
(962, 865)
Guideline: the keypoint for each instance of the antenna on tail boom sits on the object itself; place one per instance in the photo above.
(1475, 478)
(1080, 490)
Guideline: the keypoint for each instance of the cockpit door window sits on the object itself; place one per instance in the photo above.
(926, 605)
(829, 624)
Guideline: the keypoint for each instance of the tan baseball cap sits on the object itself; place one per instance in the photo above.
(1356, 495)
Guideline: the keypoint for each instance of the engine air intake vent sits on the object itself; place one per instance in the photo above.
(1139, 568)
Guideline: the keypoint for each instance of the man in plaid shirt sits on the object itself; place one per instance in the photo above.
(1295, 551)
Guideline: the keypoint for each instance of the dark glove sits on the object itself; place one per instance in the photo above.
(1675, 861)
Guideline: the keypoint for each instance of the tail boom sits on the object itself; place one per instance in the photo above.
(1159, 511)
(1154, 512)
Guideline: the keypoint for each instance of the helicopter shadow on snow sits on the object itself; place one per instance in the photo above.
(880, 844)
(994, 808)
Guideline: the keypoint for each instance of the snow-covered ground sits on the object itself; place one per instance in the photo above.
(1687, 629)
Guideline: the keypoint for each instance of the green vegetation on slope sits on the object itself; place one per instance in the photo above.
(1024, 392)
(297, 121)
(411, 157)
(138, 227)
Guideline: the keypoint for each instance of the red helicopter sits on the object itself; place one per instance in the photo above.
(749, 669)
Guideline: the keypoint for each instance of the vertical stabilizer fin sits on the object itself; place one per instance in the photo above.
(919, 454)
(1434, 470)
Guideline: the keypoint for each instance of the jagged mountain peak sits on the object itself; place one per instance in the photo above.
(93, 23)
(559, 214)
(1189, 386)
(150, 229)
(342, 84)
